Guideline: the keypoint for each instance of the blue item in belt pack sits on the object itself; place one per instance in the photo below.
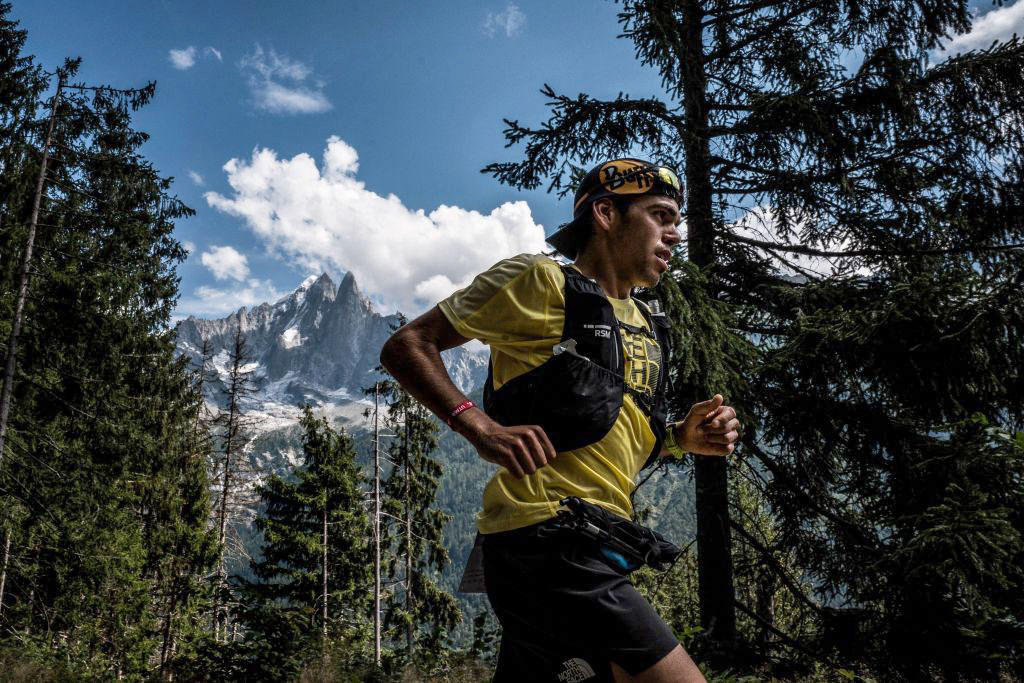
(627, 544)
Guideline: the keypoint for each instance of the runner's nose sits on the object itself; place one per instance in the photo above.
(673, 236)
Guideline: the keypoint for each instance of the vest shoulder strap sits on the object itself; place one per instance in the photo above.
(590, 320)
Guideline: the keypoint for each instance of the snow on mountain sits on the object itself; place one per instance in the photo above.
(319, 344)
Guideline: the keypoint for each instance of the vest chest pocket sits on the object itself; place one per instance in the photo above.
(575, 400)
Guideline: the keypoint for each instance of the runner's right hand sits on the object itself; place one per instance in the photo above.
(521, 449)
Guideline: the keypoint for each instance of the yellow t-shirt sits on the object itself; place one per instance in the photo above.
(517, 307)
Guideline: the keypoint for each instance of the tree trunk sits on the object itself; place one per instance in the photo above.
(221, 541)
(408, 536)
(233, 427)
(3, 571)
(714, 540)
(26, 260)
(174, 649)
(325, 572)
(168, 630)
(376, 526)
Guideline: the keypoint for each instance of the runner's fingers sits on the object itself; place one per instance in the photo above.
(723, 439)
(522, 454)
(535, 449)
(720, 417)
(512, 464)
(730, 426)
(720, 449)
(549, 449)
(711, 416)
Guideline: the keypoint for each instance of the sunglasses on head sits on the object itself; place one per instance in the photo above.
(639, 180)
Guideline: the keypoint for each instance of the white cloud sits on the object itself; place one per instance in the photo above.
(196, 178)
(758, 224)
(511, 20)
(997, 24)
(184, 58)
(212, 51)
(212, 302)
(282, 85)
(189, 246)
(324, 219)
(226, 262)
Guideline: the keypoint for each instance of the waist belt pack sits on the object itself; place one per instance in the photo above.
(626, 544)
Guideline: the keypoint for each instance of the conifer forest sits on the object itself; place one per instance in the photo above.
(869, 526)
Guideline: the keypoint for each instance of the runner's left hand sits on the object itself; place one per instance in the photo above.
(710, 428)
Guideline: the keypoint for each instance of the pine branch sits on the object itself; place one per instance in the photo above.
(766, 32)
(779, 474)
(736, 11)
(786, 639)
(809, 251)
(782, 573)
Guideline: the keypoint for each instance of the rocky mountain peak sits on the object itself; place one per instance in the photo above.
(350, 296)
(320, 342)
(324, 282)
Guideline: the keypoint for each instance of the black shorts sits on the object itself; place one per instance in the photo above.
(566, 613)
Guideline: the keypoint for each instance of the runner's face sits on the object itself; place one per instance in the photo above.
(644, 239)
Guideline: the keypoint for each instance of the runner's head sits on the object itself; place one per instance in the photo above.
(622, 181)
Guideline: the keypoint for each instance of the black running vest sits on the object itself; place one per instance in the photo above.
(576, 394)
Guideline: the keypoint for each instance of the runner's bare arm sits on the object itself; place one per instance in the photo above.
(413, 357)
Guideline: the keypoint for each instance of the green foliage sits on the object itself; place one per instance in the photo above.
(857, 385)
(232, 471)
(283, 611)
(102, 480)
(708, 356)
(413, 536)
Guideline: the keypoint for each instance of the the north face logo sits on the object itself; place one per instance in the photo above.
(575, 670)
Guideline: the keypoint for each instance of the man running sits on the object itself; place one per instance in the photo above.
(575, 407)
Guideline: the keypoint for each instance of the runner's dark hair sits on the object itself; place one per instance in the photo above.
(585, 228)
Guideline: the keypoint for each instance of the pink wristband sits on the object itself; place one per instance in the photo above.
(459, 410)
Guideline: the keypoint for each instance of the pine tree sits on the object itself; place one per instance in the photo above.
(424, 614)
(233, 472)
(185, 590)
(314, 574)
(21, 84)
(905, 180)
(98, 497)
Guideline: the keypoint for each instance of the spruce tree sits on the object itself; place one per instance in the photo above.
(424, 611)
(904, 180)
(316, 521)
(233, 473)
(419, 618)
(97, 495)
(186, 594)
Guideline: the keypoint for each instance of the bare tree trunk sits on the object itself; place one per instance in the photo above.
(376, 525)
(221, 543)
(408, 536)
(325, 571)
(3, 572)
(167, 635)
(26, 260)
(714, 539)
(174, 649)
(232, 429)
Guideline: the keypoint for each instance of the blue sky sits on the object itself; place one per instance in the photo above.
(369, 123)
